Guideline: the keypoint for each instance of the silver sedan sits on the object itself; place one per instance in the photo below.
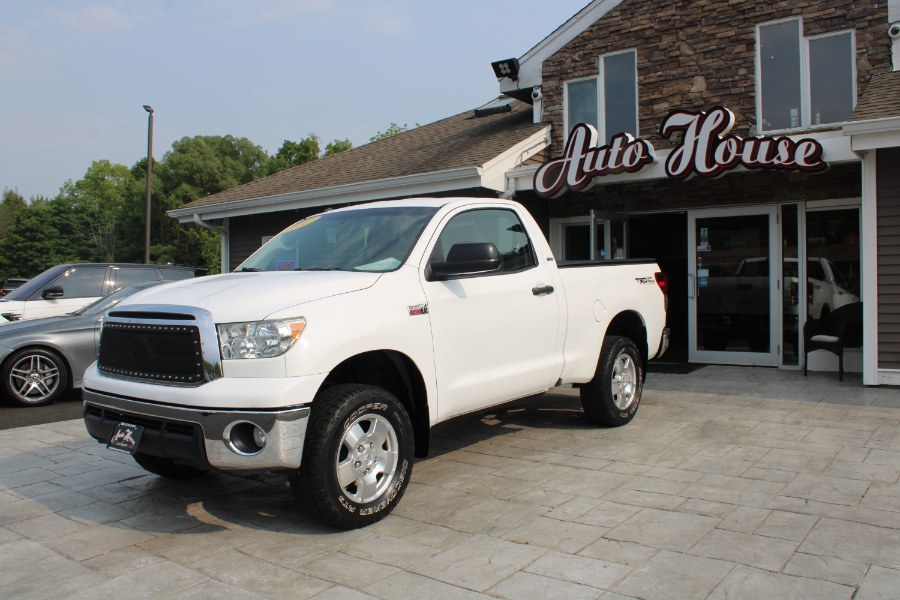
(41, 359)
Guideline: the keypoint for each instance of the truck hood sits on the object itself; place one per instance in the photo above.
(237, 297)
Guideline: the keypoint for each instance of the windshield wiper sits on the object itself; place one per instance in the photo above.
(320, 269)
(248, 270)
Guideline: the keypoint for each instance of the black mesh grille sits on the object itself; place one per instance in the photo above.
(165, 353)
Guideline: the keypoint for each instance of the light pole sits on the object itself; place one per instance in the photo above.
(149, 110)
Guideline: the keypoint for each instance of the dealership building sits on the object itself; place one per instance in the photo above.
(752, 148)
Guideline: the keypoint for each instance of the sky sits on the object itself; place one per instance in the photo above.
(75, 74)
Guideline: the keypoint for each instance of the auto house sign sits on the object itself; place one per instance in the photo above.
(706, 149)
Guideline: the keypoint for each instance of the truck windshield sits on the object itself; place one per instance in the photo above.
(370, 239)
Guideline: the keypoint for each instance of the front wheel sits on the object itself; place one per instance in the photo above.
(612, 397)
(34, 377)
(357, 458)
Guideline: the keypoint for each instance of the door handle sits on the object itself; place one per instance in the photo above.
(540, 291)
(692, 292)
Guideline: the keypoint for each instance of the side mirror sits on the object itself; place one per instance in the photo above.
(52, 293)
(467, 258)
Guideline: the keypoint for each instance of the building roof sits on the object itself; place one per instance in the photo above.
(453, 153)
(880, 99)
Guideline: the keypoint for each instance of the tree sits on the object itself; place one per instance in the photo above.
(292, 154)
(337, 146)
(197, 167)
(12, 203)
(101, 195)
(394, 129)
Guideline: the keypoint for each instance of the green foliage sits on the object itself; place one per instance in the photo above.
(292, 154)
(337, 146)
(101, 195)
(101, 218)
(12, 203)
(394, 129)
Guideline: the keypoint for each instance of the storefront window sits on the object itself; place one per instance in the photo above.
(832, 255)
(619, 94)
(824, 75)
(790, 285)
(581, 102)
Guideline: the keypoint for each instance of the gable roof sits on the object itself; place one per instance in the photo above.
(459, 152)
(531, 63)
(880, 99)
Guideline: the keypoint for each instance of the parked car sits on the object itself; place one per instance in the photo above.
(42, 358)
(65, 288)
(11, 284)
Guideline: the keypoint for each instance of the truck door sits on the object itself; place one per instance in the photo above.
(494, 333)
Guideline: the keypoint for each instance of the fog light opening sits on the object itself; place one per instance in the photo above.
(246, 438)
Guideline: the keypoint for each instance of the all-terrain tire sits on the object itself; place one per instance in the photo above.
(166, 467)
(612, 397)
(357, 457)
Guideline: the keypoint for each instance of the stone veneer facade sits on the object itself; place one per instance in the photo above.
(697, 54)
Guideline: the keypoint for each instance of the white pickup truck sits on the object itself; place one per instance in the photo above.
(332, 351)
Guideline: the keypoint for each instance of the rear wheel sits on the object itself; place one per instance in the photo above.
(166, 467)
(34, 376)
(357, 458)
(612, 397)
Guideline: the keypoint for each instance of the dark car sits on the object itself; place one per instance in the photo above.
(42, 358)
(11, 284)
(66, 288)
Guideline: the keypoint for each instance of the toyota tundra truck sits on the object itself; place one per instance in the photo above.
(332, 351)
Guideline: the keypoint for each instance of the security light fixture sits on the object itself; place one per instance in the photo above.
(506, 68)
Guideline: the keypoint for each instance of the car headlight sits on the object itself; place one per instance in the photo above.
(260, 339)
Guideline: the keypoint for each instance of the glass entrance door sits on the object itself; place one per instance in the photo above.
(733, 272)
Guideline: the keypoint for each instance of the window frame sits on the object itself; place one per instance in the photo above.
(601, 95)
(600, 87)
(806, 117)
(567, 126)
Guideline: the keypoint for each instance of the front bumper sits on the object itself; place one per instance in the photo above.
(200, 437)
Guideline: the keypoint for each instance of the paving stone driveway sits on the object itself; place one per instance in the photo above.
(731, 483)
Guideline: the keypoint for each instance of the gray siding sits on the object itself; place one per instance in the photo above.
(888, 190)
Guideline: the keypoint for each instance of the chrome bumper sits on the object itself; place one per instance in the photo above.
(285, 430)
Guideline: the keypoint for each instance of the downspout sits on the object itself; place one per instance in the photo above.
(223, 237)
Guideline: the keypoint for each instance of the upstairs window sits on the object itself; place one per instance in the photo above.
(608, 101)
(803, 82)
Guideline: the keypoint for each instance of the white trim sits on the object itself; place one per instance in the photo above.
(531, 63)
(888, 377)
(832, 204)
(869, 268)
(422, 183)
(882, 125)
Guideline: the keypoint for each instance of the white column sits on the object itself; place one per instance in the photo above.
(869, 239)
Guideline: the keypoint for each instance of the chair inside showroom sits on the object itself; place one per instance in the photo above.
(834, 332)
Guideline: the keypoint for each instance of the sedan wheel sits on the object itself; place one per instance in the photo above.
(33, 377)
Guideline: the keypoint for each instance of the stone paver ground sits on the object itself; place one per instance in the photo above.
(730, 483)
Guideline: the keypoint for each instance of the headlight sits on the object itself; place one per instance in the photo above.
(262, 339)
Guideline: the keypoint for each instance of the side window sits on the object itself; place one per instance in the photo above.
(128, 276)
(498, 226)
(82, 282)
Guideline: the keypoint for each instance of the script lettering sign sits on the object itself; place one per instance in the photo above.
(706, 149)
